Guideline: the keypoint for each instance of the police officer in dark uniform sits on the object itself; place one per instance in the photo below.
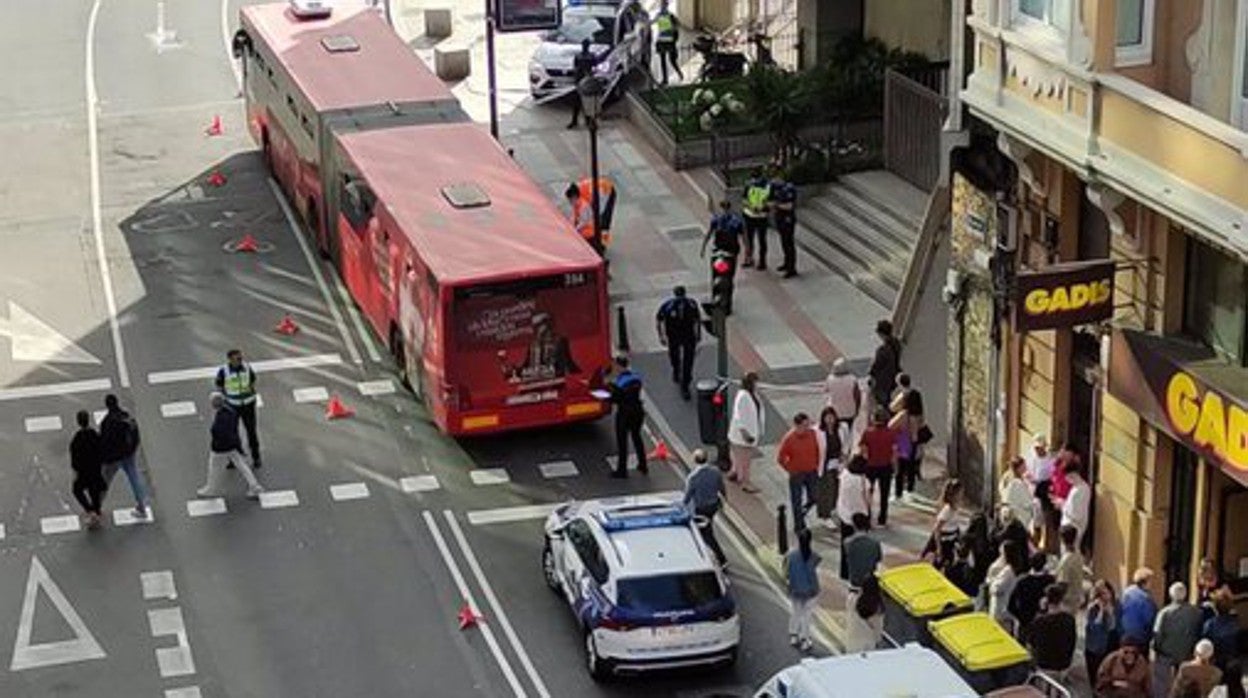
(582, 67)
(725, 231)
(783, 206)
(630, 415)
(679, 324)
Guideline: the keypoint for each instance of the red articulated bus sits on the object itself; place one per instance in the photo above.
(493, 306)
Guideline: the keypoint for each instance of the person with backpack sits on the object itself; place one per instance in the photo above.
(801, 566)
(119, 443)
(84, 459)
(679, 324)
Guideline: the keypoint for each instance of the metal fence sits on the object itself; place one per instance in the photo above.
(914, 111)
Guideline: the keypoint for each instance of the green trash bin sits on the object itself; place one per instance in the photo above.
(914, 595)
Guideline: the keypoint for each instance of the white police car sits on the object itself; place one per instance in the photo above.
(643, 586)
(619, 35)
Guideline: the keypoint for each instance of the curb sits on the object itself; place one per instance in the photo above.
(767, 556)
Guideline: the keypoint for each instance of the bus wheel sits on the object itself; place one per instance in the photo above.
(409, 367)
(266, 151)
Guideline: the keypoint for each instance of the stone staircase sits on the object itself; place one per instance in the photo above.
(863, 227)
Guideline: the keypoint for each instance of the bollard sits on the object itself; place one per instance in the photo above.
(621, 324)
(782, 530)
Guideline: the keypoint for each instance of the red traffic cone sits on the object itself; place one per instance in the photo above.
(336, 410)
(216, 179)
(467, 618)
(247, 244)
(214, 128)
(660, 452)
(287, 326)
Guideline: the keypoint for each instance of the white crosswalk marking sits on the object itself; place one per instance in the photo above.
(59, 524)
(419, 483)
(184, 692)
(205, 507)
(490, 476)
(1, 531)
(279, 499)
(384, 386)
(184, 408)
(126, 517)
(313, 394)
(172, 661)
(158, 585)
(561, 468)
(49, 423)
(348, 491)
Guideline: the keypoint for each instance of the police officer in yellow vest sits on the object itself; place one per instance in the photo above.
(237, 382)
(667, 33)
(755, 209)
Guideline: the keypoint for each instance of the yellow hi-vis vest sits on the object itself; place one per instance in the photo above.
(756, 200)
(666, 27)
(237, 386)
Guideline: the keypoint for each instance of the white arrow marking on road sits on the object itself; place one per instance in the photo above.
(31, 339)
(27, 656)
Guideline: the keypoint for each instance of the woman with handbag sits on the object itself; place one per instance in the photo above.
(832, 438)
(912, 433)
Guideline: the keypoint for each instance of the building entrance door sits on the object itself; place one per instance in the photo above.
(1181, 528)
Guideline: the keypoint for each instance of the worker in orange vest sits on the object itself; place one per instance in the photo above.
(580, 197)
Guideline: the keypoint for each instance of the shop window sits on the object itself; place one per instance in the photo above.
(1134, 32)
(1214, 313)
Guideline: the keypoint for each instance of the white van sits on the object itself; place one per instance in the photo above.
(907, 672)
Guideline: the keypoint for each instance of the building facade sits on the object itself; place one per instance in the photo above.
(1100, 264)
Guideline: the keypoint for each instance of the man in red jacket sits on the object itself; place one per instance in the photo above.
(799, 456)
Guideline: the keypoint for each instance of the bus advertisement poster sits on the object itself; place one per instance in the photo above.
(527, 15)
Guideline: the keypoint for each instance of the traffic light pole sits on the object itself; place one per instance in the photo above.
(720, 321)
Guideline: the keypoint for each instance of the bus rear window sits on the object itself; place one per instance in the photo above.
(668, 592)
(522, 341)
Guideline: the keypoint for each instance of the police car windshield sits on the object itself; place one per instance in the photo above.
(668, 592)
(575, 29)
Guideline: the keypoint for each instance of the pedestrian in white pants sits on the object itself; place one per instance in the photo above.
(227, 448)
(801, 573)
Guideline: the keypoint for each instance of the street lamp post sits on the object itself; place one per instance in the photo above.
(591, 93)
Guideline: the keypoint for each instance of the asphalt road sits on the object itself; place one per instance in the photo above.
(347, 579)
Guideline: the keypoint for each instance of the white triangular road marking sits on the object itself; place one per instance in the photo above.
(32, 339)
(28, 656)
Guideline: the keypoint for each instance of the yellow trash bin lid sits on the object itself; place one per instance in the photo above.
(922, 590)
(978, 642)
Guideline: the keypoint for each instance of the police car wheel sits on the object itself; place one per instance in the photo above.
(599, 669)
(548, 568)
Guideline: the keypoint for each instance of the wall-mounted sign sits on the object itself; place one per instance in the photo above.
(1166, 381)
(527, 15)
(1064, 295)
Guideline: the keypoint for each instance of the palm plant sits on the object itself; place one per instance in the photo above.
(779, 101)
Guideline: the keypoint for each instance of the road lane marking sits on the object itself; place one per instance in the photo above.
(279, 499)
(205, 507)
(126, 517)
(466, 594)
(357, 320)
(48, 423)
(158, 585)
(313, 394)
(326, 296)
(59, 524)
(1, 531)
(27, 656)
(561, 468)
(184, 692)
(262, 366)
(348, 491)
(485, 517)
(97, 218)
(419, 483)
(489, 476)
(385, 386)
(32, 339)
(184, 408)
(56, 389)
(173, 661)
(499, 612)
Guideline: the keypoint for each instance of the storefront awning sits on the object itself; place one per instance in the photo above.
(1186, 391)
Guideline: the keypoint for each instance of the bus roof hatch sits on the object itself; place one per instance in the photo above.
(465, 195)
(340, 43)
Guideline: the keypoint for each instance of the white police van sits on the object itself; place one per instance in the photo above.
(911, 671)
(642, 585)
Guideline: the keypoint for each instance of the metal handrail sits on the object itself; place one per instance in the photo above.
(934, 218)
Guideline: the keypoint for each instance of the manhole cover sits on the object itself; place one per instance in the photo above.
(685, 232)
